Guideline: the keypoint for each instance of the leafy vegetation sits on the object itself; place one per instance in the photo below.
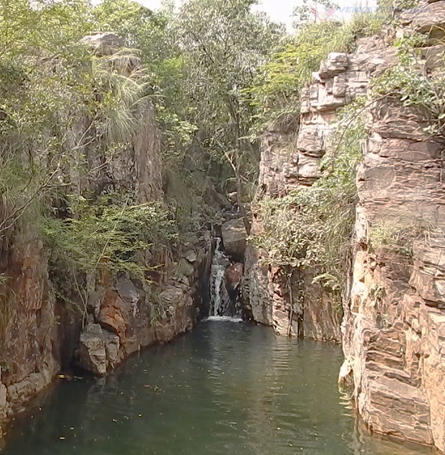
(397, 235)
(68, 113)
(312, 227)
(110, 232)
(217, 74)
(276, 91)
(412, 86)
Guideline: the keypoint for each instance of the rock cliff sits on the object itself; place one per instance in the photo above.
(42, 334)
(290, 160)
(393, 324)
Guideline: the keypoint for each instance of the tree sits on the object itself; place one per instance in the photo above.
(316, 11)
(222, 44)
(141, 28)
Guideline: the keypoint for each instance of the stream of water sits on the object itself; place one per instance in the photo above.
(226, 388)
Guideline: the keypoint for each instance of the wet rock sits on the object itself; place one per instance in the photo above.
(234, 274)
(173, 296)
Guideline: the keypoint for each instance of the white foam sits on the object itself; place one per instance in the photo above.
(223, 319)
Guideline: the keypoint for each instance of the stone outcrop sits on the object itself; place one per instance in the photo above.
(290, 160)
(394, 321)
(31, 341)
(126, 319)
(102, 44)
(393, 324)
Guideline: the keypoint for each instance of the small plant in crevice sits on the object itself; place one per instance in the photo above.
(397, 235)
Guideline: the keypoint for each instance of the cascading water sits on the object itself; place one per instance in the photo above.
(221, 303)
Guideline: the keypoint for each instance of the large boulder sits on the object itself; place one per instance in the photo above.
(234, 237)
(233, 276)
(98, 349)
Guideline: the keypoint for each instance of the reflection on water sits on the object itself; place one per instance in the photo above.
(226, 388)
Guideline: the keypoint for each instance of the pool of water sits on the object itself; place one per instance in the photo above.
(224, 389)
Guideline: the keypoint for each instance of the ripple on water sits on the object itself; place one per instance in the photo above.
(223, 389)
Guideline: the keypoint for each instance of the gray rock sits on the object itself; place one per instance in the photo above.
(191, 256)
(98, 349)
(426, 18)
(103, 43)
(336, 63)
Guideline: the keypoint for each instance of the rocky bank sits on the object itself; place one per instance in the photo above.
(394, 321)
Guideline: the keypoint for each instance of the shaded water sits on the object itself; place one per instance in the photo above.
(226, 388)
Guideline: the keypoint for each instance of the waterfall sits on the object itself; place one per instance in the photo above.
(222, 306)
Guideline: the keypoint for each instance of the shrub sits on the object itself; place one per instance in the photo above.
(110, 231)
(275, 93)
(409, 82)
(313, 227)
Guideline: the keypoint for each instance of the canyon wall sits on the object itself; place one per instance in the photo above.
(394, 322)
(291, 160)
(393, 326)
(43, 334)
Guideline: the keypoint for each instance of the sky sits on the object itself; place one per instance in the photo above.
(278, 10)
(281, 10)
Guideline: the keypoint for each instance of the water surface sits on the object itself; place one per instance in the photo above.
(226, 388)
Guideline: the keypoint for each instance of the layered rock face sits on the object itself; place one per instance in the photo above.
(394, 321)
(30, 332)
(291, 160)
(394, 324)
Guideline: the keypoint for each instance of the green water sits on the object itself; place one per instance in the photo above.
(227, 388)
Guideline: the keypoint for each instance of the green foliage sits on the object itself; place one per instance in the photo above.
(59, 104)
(221, 45)
(397, 235)
(141, 28)
(409, 83)
(399, 5)
(111, 231)
(313, 227)
(304, 13)
(276, 90)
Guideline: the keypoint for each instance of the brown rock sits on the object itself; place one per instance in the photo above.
(112, 314)
(234, 237)
(234, 274)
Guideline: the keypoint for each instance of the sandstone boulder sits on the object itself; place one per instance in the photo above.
(336, 63)
(234, 237)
